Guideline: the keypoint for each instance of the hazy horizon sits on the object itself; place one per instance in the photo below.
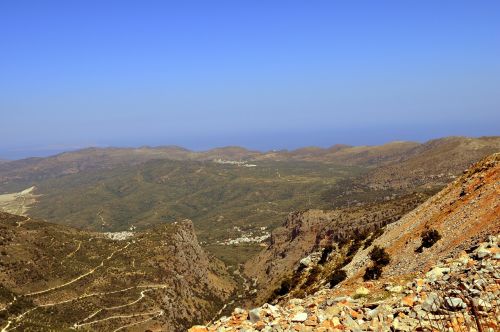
(263, 75)
(47, 151)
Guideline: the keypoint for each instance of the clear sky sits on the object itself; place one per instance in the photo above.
(262, 74)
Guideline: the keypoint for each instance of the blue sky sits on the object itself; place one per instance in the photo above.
(263, 74)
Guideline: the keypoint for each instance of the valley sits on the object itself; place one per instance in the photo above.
(225, 201)
(18, 203)
(250, 166)
(165, 238)
(118, 189)
(449, 283)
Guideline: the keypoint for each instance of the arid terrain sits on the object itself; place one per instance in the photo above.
(111, 189)
(18, 203)
(447, 284)
(102, 239)
(56, 277)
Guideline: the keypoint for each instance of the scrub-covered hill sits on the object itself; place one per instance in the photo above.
(54, 277)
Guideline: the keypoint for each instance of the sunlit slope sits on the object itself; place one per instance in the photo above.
(55, 277)
(216, 197)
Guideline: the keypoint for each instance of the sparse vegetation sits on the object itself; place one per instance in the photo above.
(380, 258)
(377, 233)
(217, 197)
(337, 277)
(312, 277)
(372, 272)
(284, 288)
(429, 238)
(324, 254)
(56, 274)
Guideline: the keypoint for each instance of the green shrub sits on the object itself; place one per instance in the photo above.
(283, 289)
(379, 256)
(372, 273)
(337, 277)
(353, 249)
(312, 277)
(324, 255)
(373, 236)
(429, 238)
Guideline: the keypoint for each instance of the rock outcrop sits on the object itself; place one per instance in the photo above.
(310, 232)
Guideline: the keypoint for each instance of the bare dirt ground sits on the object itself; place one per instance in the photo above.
(18, 203)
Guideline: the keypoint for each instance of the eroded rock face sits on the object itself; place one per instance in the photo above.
(304, 234)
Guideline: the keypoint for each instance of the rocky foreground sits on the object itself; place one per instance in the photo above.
(458, 294)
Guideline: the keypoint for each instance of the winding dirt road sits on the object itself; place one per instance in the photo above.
(85, 322)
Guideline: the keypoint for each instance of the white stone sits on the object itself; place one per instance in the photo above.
(299, 317)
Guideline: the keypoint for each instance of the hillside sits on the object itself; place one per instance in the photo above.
(435, 163)
(233, 203)
(448, 150)
(345, 154)
(308, 232)
(428, 166)
(225, 201)
(310, 246)
(466, 211)
(450, 283)
(460, 294)
(56, 277)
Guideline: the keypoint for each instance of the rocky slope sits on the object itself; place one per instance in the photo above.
(311, 231)
(432, 287)
(459, 294)
(56, 278)
(464, 212)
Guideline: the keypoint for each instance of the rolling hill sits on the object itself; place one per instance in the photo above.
(233, 195)
(54, 277)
